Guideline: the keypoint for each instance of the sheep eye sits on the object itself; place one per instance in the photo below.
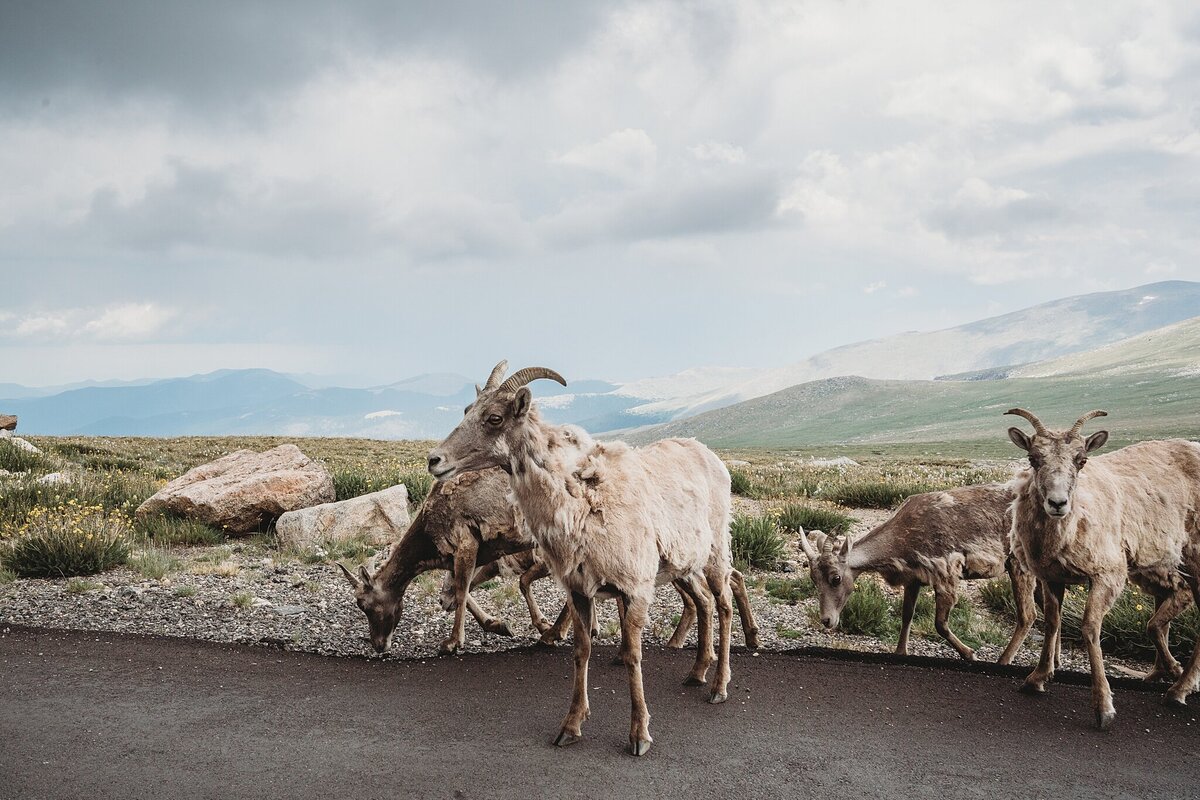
(1079, 462)
(494, 419)
(836, 580)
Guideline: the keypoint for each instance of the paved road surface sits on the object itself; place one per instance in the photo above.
(94, 716)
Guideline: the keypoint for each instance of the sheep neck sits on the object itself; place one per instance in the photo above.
(542, 489)
(414, 554)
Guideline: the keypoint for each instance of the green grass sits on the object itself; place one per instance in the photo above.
(242, 600)
(186, 590)
(122, 492)
(155, 563)
(168, 530)
(16, 459)
(784, 632)
(997, 595)
(972, 627)
(741, 483)
(756, 542)
(356, 550)
(790, 590)
(876, 493)
(6, 575)
(868, 612)
(82, 586)
(795, 517)
(418, 482)
(1123, 632)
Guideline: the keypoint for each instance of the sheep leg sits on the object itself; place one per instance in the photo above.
(557, 631)
(1052, 597)
(686, 619)
(946, 597)
(911, 592)
(718, 583)
(464, 570)
(705, 655)
(1168, 607)
(622, 608)
(749, 627)
(526, 581)
(488, 623)
(572, 727)
(1186, 683)
(632, 623)
(1024, 587)
(1104, 592)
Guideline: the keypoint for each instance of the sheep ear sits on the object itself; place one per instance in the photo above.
(366, 576)
(1096, 441)
(521, 402)
(478, 390)
(1019, 438)
(845, 551)
(810, 552)
(349, 575)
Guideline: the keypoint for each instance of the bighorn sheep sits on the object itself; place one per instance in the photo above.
(1134, 513)
(934, 539)
(463, 522)
(609, 525)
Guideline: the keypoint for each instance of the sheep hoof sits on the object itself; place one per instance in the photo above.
(692, 680)
(498, 627)
(449, 647)
(1031, 687)
(1104, 719)
(639, 747)
(566, 738)
(549, 644)
(752, 641)
(1173, 701)
(716, 698)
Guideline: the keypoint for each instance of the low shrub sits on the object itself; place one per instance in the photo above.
(1123, 632)
(68, 540)
(967, 623)
(155, 563)
(997, 595)
(741, 483)
(868, 612)
(796, 517)
(756, 542)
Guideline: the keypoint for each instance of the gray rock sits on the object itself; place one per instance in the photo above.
(379, 517)
(18, 442)
(244, 491)
(289, 611)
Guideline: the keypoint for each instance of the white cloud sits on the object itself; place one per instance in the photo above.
(876, 286)
(42, 325)
(130, 321)
(628, 154)
(718, 151)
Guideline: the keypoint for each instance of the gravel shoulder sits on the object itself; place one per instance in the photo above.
(248, 592)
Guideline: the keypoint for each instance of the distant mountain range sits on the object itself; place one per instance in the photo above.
(1080, 338)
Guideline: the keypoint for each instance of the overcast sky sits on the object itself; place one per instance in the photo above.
(385, 189)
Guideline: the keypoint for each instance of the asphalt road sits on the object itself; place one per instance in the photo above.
(85, 715)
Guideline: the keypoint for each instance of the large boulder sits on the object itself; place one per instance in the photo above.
(379, 517)
(244, 491)
(8, 422)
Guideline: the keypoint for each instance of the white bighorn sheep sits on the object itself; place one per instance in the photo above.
(934, 539)
(610, 524)
(463, 522)
(1133, 514)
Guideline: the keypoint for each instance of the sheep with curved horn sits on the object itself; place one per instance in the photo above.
(609, 524)
(1131, 515)
(935, 539)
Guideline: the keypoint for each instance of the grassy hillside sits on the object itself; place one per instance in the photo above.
(863, 413)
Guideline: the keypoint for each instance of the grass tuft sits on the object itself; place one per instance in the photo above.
(168, 530)
(790, 590)
(756, 542)
(155, 563)
(418, 482)
(875, 493)
(68, 540)
(868, 612)
(796, 517)
(17, 459)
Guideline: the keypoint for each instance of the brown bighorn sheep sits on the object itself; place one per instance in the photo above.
(1134, 513)
(934, 539)
(463, 522)
(609, 525)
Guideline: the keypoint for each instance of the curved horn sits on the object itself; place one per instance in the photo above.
(825, 543)
(497, 374)
(527, 375)
(809, 552)
(349, 575)
(1079, 423)
(1038, 427)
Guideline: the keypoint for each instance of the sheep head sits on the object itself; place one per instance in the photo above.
(828, 565)
(490, 426)
(1056, 457)
(382, 607)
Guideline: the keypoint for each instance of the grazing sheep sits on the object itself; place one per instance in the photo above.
(934, 539)
(1133, 514)
(462, 523)
(610, 525)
